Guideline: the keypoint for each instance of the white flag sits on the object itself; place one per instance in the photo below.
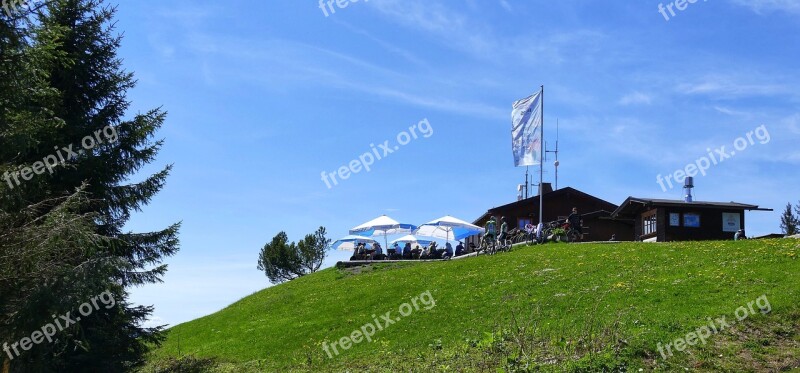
(526, 121)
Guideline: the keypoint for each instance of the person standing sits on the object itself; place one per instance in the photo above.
(490, 233)
(503, 228)
(575, 221)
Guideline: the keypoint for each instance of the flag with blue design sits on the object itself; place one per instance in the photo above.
(526, 121)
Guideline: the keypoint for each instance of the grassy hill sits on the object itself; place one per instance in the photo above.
(558, 307)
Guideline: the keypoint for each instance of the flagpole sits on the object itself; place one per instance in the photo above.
(541, 161)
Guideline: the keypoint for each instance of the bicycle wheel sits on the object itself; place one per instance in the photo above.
(491, 249)
(573, 235)
(547, 233)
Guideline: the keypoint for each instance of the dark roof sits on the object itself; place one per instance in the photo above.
(535, 199)
(771, 235)
(632, 204)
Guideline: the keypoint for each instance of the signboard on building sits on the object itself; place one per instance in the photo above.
(731, 221)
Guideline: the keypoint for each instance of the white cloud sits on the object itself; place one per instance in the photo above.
(732, 112)
(766, 6)
(793, 122)
(506, 5)
(635, 98)
(153, 322)
(731, 86)
(456, 30)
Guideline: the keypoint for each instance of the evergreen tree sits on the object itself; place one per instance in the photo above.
(789, 222)
(282, 261)
(62, 85)
(312, 250)
(797, 217)
(49, 257)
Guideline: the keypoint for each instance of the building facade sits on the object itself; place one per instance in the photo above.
(662, 220)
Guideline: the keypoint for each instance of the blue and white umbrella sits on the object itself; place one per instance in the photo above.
(349, 243)
(382, 226)
(413, 240)
(448, 228)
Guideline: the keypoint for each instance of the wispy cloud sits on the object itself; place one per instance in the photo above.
(506, 5)
(635, 98)
(292, 63)
(456, 30)
(732, 87)
(732, 112)
(408, 56)
(451, 26)
(793, 123)
(766, 6)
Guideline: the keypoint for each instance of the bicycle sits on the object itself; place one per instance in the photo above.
(488, 246)
(531, 235)
(504, 244)
(562, 230)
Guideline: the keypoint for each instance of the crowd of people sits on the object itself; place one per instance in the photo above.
(407, 252)
(493, 231)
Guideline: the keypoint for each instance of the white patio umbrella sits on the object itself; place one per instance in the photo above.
(349, 243)
(449, 228)
(382, 226)
(412, 239)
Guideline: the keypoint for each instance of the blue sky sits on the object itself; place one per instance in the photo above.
(264, 96)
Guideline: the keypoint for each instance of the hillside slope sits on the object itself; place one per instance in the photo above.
(580, 307)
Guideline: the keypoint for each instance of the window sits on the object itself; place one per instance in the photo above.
(523, 223)
(674, 219)
(691, 220)
(649, 223)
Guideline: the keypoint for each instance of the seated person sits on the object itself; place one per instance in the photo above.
(460, 249)
(368, 252)
(472, 247)
(377, 253)
(358, 252)
(393, 251)
(448, 250)
(415, 254)
(426, 253)
(407, 251)
(433, 251)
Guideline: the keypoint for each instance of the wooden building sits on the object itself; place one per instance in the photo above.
(596, 214)
(663, 220)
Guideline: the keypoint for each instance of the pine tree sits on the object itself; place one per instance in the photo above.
(282, 261)
(797, 217)
(789, 222)
(49, 261)
(78, 86)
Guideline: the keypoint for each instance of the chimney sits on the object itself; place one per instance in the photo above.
(546, 188)
(688, 185)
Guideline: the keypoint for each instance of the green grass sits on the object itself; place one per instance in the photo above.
(581, 307)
